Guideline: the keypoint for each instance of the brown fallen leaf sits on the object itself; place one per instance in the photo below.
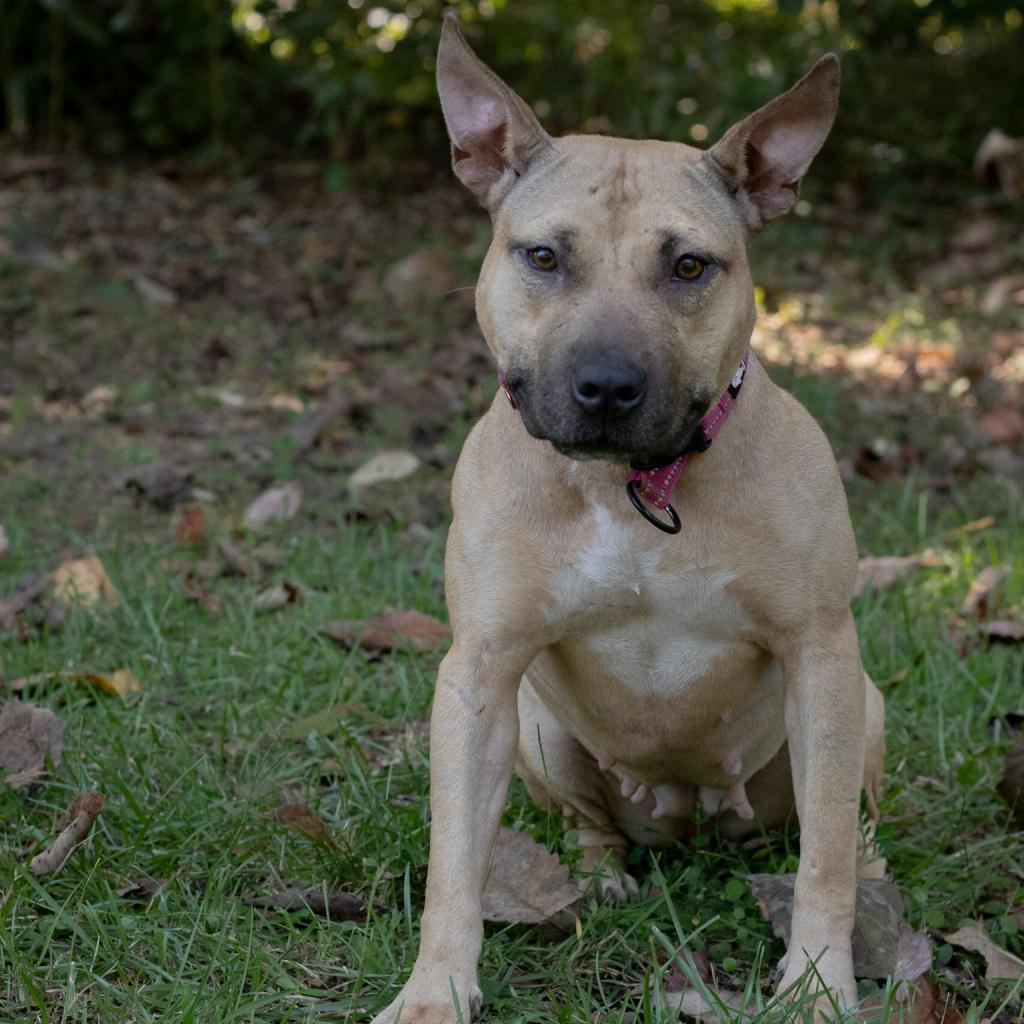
(384, 467)
(527, 884)
(302, 818)
(389, 632)
(1002, 425)
(5, 543)
(277, 595)
(28, 735)
(878, 914)
(191, 525)
(120, 683)
(273, 505)
(142, 890)
(1011, 785)
(913, 959)
(1002, 631)
(80, 817)
(83, 581)
(338, 906)
(923, 1005)
(981, 598)
(691, 1002)
(162, 484)
(984, 523)
(1000, 964)
(238, 563)
(884, 570)
(195, 591)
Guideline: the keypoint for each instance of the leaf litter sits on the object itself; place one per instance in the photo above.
(527, 884)
(390, 632)
(29, 734)
(1001, 965)
(273, 505)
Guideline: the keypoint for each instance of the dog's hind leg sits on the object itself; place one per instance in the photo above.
(562, 776)
(870, 864)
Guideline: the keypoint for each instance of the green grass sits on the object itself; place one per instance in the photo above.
(192, 768)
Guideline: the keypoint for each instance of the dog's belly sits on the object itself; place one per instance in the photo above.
(657, 673)
(717, 730)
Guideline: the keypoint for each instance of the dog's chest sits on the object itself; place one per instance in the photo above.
(654, 622)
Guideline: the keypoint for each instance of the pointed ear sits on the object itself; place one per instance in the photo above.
(764, 156)
(494, 133)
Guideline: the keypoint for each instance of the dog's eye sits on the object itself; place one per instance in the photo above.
(543, 259)
(690, 268)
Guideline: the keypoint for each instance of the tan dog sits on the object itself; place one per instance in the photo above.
(639, 673)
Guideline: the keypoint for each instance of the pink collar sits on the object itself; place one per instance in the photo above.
(655, 484)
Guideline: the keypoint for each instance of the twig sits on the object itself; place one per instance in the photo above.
(82, 814)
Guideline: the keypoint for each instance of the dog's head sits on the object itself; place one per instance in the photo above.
(616, 293)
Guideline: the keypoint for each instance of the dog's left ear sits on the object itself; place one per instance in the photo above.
(763, 157)
(494, 134)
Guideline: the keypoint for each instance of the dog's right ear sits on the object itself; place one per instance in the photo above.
(494, 133)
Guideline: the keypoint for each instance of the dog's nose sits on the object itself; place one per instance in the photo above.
(603, 386)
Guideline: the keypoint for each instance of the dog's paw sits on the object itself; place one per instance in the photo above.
(824, 989)
(428, 1002)
(615, 886)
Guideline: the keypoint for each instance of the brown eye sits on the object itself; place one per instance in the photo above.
(689, 268)
(543, 259)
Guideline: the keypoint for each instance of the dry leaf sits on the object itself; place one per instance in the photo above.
(142, 890)
(195, 591)
(273, 505)
(161, 483)
(1011, 785)
(389, 632)
(883, 571)
(80, 815)
(921, 999)
(28, 734)
(1002, 425)
(384, 467)
(238, 562)
(1005, 631)
(277, 595)
(120, 683)
(527, 884)
(876, 930)
(191, 525)
(1000, 963)
(302, 818)
(691, 1003)
(972, 527)
(5, 544)
(981, 598)
(83, 581)
(338, 906)
(913, 959)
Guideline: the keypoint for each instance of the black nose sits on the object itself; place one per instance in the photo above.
(609, 387)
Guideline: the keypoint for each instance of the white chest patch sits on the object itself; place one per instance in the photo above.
(655, 630)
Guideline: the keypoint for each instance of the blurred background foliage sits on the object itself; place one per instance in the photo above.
(351, 81)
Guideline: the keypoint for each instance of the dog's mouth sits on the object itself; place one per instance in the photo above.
(652, 436)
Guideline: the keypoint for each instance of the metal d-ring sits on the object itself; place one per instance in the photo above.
(671, 527)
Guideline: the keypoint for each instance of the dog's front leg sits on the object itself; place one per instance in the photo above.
(824, 709)
(474, 730)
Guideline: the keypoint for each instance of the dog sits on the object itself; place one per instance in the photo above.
(644, 622)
